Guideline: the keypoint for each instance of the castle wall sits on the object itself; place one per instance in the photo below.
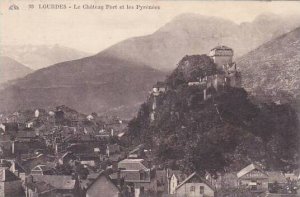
(221, 60)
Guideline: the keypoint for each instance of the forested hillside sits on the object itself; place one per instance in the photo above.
(225, 132)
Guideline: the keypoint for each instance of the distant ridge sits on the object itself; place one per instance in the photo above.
(190, 34)
(93, 84)
(40, 56)
(10, 69)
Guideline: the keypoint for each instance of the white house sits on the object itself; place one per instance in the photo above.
(194, 186)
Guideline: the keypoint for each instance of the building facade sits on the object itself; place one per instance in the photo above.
(194, 186)
(103, 186)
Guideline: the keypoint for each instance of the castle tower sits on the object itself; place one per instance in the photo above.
(221, 55)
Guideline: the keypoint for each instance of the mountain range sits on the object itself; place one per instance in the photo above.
(40, 56)
(117, 80)
(196, 34)
(10, 69)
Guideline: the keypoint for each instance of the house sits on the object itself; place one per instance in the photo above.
(227, 180)
(90, 159)
(29, 124)
(275, 176)
(293, 176)
(39, 189)
(42, 170)
(253, 177)
(137, 152)
(103, 133)
(2, 126)
(168, 180)
(112, 149)
(104, 186)
(10, 184)
(65, 186)
(159, 87)
(176, 177)
(194, 186)
(26, 136)
(91, 177)
(66, 158)
(138, 176)
(88, 130)
(90, 117)
(30, 162)
(11, 127)
(5, 144)
(18, 170)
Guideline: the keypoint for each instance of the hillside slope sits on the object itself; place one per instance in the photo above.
(11, 69)
(273, 69)
(93, 84)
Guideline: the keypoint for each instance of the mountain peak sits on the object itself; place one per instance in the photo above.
(193, 34)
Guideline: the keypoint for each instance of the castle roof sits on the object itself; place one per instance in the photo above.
(221, 47)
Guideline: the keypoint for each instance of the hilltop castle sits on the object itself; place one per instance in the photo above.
(226, 76)
(227, 73)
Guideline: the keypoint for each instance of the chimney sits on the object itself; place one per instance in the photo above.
(107, 150)
(13, 147)
(168, 181)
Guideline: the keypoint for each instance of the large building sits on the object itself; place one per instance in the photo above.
(138, 176)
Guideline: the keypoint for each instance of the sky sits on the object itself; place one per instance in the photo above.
(92, 30)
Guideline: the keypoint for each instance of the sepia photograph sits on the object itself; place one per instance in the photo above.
(149, 98)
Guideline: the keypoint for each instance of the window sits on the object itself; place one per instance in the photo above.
(142, 189)
(192, 189)
(142, 176)
(201, 189)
